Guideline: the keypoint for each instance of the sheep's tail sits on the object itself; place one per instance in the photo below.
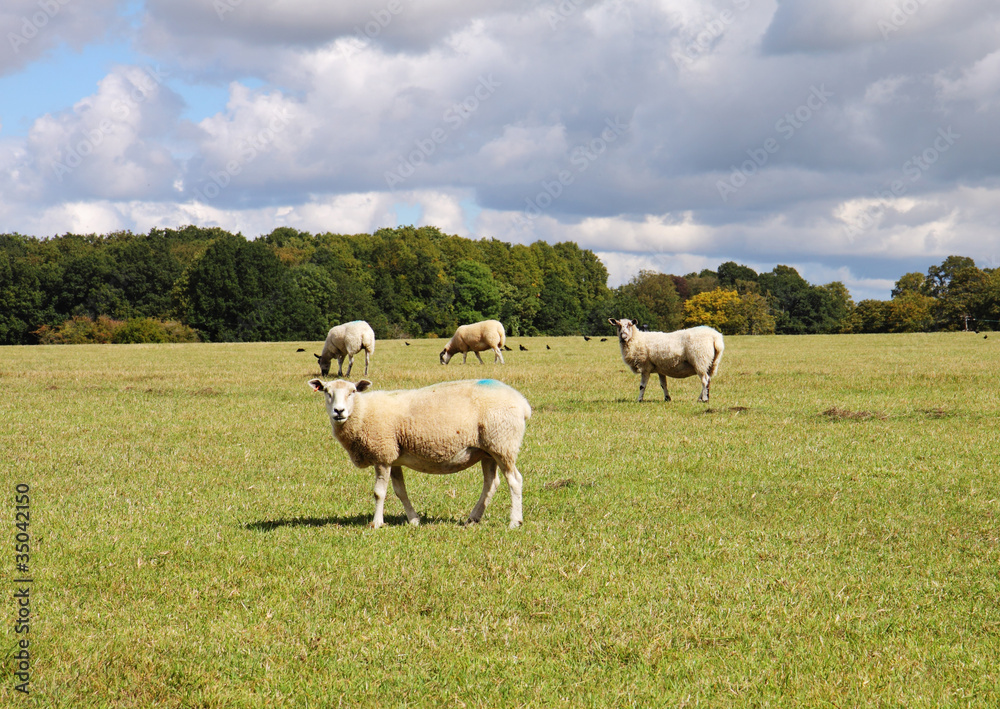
(720, 346)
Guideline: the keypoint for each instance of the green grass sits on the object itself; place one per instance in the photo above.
(825, 533)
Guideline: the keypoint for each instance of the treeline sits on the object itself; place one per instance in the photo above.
(177, 285)
(288, 285)
(735, 299)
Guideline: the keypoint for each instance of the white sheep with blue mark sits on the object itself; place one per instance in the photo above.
(441, 429)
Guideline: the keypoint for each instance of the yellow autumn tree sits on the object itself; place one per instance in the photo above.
(729, 312)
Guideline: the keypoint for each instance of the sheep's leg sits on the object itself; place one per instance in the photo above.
(340, 367)
(490, 483)
(516, 483)
(399, 487)
(381, 485)
(663, 385)
(366, 362)
(499, 355)
(643, 381)
(706, 382)
(478, 357)
(350, 364)
(465, 358)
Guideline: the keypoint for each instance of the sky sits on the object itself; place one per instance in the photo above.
(856, 140)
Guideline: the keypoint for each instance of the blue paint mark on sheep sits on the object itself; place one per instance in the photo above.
(488, 382)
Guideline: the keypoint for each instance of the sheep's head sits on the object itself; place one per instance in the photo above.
(339, 396)
(324, 365)
(445, 356)
(626, 328)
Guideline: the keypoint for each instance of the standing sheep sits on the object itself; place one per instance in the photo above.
(346, 341)
(439, 429)
(477, 337)
(695, 351)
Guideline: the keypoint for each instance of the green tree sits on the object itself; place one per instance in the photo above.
(842, 305)
(730, 273)
(911, 312)
(656, 291)
(909, 283)
(240, 291)
(939, 277)
(477, 296)
(799, 307)
(869, 316)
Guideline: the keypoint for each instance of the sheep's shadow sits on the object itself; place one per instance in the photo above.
(362, 520)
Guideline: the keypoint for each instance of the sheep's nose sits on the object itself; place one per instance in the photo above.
(338, 413)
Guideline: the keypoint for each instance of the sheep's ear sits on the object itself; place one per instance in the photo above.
(636, 323)
(316, 384)
(362, 385)
(316, 356)
(613, 322)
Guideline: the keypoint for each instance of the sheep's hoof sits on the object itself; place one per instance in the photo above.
(372, 525)
(470, 521)
(415, 521)
(515, 524)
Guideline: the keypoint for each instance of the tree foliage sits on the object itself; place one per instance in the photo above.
(415, 282)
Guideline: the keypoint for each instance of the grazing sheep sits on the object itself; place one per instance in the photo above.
(695, 351)
(477, 337)
(440, 429)
(346, 341)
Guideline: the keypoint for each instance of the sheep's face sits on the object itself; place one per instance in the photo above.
(340, 396)
(626, 328)
(445, 356)
(324, 367)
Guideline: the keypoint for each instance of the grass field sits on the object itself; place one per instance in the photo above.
(825, 533)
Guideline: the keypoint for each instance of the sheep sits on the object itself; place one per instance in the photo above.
(346, 341)
(695, 351)
(477, 337)
(442, 428)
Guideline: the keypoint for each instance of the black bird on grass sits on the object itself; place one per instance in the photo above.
(604, 339)
(586, 338)
(547, 347)
(522, 348)
(300, 350)
(507, 348)
(406, 343)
